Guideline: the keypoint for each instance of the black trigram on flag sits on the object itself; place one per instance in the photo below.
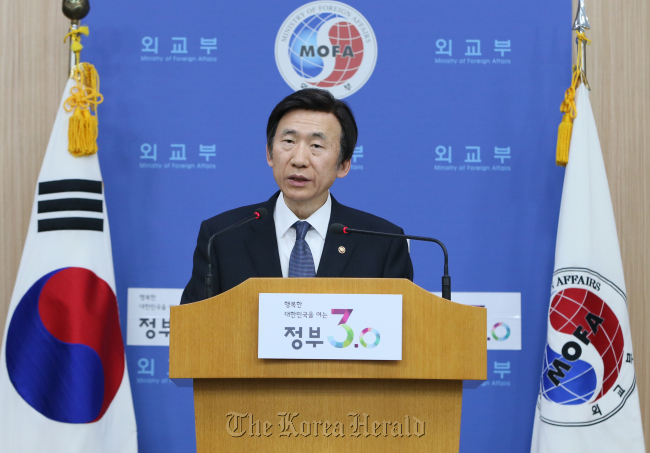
(65, 204)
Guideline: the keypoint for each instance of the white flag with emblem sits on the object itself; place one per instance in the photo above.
(64, 386)
(588, 397)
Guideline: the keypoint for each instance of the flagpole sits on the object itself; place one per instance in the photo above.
(580, 24)
(75, 10)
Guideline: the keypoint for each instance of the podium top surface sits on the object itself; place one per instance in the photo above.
(217, 337)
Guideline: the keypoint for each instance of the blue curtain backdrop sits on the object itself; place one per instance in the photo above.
(418, 108)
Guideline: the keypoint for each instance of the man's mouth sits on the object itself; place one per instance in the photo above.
(298, 180)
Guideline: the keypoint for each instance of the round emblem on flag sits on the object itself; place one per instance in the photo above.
(327, 45)
(588, 374)
(64, 351)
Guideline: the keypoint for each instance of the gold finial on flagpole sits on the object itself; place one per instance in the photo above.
(580, 24)
(75, 10)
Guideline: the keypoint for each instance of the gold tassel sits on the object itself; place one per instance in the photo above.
(82, 133)
(74, 134)
(566, 127)
(83, 101)
(568, 107)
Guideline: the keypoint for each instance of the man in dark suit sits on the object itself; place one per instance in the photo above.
(310, 140)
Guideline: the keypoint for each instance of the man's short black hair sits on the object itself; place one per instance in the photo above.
(317, 100)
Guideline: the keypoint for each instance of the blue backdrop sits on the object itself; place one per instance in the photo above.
(455, 83)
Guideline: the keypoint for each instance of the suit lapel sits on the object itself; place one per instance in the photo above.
(333, 262)
(262, 243)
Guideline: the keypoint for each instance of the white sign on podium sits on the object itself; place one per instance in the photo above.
(330, 326)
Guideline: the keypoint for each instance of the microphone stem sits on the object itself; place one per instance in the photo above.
(406, 236)
(208, 277)
(446, 279)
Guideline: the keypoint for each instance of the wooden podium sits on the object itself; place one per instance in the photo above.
(246, 404)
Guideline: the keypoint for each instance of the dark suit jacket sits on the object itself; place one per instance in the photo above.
(252, 250)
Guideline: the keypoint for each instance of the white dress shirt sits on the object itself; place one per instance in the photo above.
(284, 219)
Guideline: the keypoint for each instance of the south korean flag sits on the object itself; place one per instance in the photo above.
(64, 385)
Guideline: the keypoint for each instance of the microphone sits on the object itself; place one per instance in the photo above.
(259, 214)
(337, 228)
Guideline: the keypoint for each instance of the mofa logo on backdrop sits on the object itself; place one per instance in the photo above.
(588, 373)
(327, 45)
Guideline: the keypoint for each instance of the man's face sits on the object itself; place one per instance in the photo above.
(305, 155)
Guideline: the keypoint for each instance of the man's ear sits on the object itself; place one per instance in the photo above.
(343, 169)
(269, 159)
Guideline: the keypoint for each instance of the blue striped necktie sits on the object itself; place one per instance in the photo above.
(301, 263)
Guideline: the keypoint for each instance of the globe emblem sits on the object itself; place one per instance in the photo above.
(589, 322)
(307, 56)
(305, 34)
(577, 387)
(587, 375)
(334, 50)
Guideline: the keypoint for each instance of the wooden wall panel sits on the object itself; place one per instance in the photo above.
(33, 63)
(619, 74)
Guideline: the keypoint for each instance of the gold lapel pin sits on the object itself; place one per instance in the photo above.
(341, 249)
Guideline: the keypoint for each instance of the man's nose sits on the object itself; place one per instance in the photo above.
(300, 156)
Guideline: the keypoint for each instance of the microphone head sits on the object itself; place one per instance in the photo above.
(261, 213)
(337, 228)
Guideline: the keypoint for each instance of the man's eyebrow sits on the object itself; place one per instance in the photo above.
(320, 135)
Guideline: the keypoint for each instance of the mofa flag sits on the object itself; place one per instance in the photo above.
(588, 397)
(64, 385)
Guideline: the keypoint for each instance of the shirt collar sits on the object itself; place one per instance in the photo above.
(285, 218)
